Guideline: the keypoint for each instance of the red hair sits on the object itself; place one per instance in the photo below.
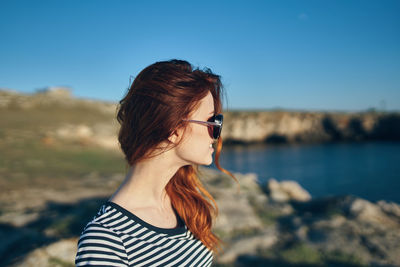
(159, 98)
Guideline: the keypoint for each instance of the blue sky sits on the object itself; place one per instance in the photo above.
(304, 55)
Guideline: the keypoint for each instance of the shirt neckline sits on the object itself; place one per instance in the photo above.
(180, 229)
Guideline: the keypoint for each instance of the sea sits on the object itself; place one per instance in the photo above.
(370, 170)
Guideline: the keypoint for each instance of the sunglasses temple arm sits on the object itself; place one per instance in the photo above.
(206, 123)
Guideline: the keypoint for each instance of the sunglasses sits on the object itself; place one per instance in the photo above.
(214, 125)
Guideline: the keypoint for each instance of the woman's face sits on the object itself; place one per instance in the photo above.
(195, 147)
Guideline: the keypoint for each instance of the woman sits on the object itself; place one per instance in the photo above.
(161, 215)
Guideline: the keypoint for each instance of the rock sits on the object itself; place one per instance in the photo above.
(286, 191)
(275, 191)
(235, 210)
(60, 253)
(74, 131)
(364, 210)
(235, 213)
(295, 191)
(390, 208)
(301, 232)
(249, 245)
(249, 182)
(101, 135)
(348, 225)
(369, 241)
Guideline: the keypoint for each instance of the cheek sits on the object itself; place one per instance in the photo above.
(200, 135)
(195, 144)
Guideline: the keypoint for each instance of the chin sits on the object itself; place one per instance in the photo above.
(208, 164)
(204, 162)
(210, 161)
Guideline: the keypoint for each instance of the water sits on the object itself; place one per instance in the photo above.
(369, 170)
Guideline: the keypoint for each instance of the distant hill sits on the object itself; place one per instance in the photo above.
(50, 97)
(55, 114)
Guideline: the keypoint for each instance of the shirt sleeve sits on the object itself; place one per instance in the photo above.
(100, 246)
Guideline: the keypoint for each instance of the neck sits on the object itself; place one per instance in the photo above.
(144, 184)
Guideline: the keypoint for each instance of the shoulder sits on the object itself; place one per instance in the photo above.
(100, 244)
(100, 228)
(100, 233)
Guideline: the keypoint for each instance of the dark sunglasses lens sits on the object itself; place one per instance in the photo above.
(211, 127)
(215, 131)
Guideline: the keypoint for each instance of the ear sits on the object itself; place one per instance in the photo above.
(174, 137)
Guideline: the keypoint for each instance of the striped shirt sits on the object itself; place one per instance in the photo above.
(117, 237)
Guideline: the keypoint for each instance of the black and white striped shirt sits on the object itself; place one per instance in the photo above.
(116, 237)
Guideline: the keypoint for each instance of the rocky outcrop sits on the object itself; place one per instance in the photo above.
(343, 230)
(307, 127)
(286, 190)
(349, 224)
(235, 212)
(101, 135)
(258, 227)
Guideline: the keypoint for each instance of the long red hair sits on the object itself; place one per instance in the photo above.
(158, 99)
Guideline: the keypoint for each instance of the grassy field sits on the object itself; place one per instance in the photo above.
(25, 156)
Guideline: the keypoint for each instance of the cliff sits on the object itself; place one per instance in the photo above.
(307, 127)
